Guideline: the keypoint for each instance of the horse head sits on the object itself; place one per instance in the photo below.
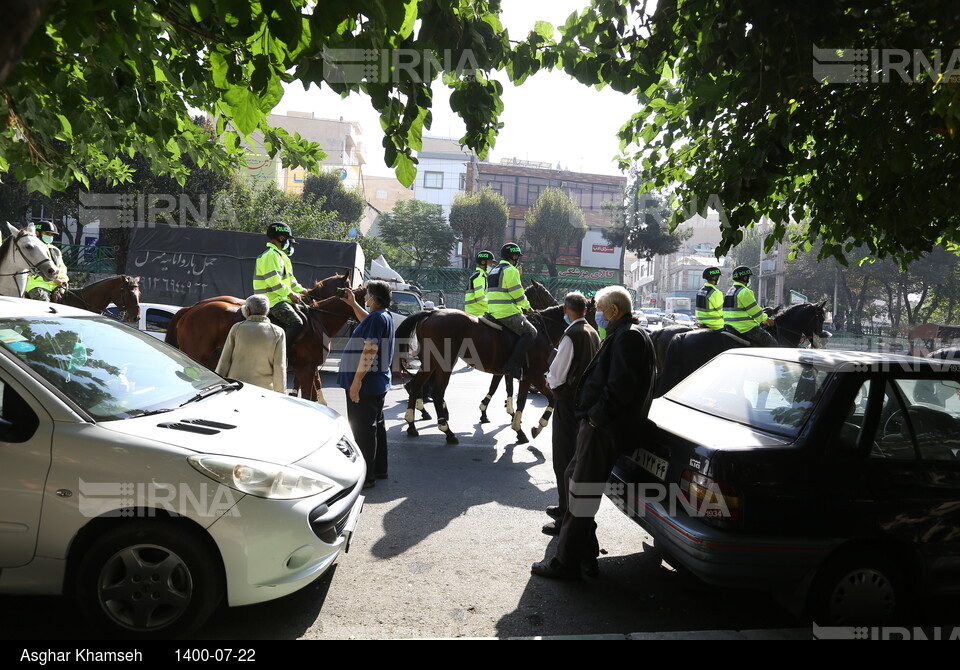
(803, 321)
(27, 253)
(127, 298)
(539, 296)
(327, 288)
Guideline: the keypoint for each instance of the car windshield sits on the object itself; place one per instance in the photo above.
(772, 395)
(106, 368)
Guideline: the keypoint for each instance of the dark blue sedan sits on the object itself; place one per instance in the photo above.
(830, 476)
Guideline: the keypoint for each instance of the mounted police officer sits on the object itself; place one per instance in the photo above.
(506, 302)
(39, 288)
(710, 300)
(742, 314)
(273, 277)
(475, 300)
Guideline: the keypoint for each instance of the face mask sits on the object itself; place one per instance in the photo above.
(290, 249)
(566, 319)
(47, 239)
(601, 320)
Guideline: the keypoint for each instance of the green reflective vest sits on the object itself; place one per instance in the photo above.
(37, 281)
(273, 276)
(740, 309)
(475, 299)
(710, 307)
(505, 295)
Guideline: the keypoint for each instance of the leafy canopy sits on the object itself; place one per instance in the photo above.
(480, 219)
(98, 79)
(554, 223)
(419, 233)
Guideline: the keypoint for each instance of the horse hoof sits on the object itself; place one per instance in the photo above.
(535, 432)
(521, 438)
(452, 439)
(483, 418)
(425, 416)
(412, 432)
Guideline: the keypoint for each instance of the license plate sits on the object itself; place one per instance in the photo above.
(655, 465)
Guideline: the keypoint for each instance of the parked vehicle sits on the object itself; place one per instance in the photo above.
(830, 476)
(154, 317)
(678, 304)
(654, 315)
(642, 318)
(151, 488)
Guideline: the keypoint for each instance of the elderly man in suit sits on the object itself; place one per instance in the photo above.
(255, 351)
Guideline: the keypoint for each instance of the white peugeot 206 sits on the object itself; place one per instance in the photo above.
(150, 487)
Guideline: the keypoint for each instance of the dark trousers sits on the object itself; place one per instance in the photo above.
(588, 472)
(565, 427)
(370, 432)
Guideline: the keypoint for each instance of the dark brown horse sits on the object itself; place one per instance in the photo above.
(121, 290)
(448, 334)
(201, 330)
(539, 298)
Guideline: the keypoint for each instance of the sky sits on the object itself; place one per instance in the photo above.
(551, 117)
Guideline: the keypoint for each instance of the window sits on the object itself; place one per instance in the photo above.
(433, 180)
(23, 420)
(404, 303)
(158, 320)
(463, 181)
(381, 194)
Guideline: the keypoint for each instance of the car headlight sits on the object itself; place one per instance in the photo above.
(262, 479)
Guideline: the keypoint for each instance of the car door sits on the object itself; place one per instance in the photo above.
(914, 473)
(25, 450)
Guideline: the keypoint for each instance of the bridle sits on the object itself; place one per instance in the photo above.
(31, 266)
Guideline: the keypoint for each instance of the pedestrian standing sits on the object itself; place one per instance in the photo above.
(612, 402)
(578, 346)
(255, 350)
(365, 375)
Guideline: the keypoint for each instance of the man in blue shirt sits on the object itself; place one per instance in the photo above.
(365, 375)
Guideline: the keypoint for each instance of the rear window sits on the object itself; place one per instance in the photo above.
(768, 394)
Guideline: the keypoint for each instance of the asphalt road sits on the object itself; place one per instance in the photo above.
(444, 547)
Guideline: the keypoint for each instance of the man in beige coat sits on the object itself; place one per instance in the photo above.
(255, 351)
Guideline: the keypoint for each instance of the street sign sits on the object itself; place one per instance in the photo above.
(797, 298)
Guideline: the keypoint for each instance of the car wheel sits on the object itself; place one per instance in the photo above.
(858, 589)
(148, 579)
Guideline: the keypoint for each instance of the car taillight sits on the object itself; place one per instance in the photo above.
(715, 501)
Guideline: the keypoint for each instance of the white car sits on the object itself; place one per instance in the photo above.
(150, 487)
(154, 317)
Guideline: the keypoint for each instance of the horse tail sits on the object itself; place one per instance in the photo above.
(171, 336)
(410, 324)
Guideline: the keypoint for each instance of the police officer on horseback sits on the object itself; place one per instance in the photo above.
(506, 302)
(273, 277)
(710, 300)
(475, 300)
(742, 314)
(39, 288)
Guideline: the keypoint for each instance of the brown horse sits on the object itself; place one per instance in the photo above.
(448, 334)
(539, 297)
(201, 330)
(121, 290)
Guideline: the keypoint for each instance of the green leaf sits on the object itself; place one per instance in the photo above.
(244, 109)
(543, 29)
(199, 9)
(406, 170)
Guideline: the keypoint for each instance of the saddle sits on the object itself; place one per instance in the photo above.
(736, 337)
(488, 320)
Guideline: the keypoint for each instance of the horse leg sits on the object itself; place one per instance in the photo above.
(318, 387)
(439, 383)
(494, 385)
(508, 404)
(415, 389)
(521, 402)
(541, 385)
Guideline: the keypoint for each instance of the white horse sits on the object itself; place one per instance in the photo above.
(23, 254)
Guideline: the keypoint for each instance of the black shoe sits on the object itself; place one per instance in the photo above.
(552, 528)
(381, 475)
(369, 484)
(554, 512)
(554, 569)
(590, 567)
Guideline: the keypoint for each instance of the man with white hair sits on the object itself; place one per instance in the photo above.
(612, 402)
(255, 351)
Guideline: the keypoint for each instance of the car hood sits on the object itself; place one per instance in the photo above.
(707, 430)
(266, 426)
